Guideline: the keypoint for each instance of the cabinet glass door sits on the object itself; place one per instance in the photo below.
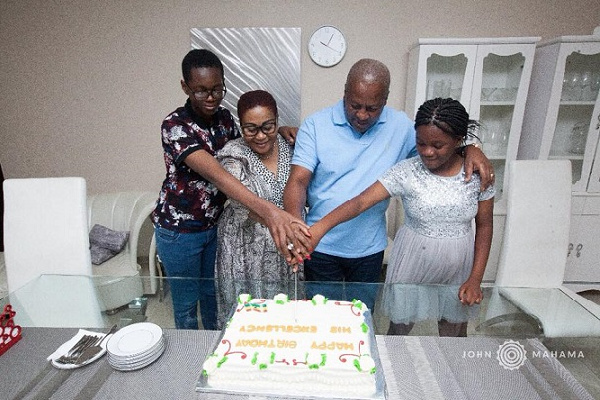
(440, 70)
(500, 81)
(490, 77)
(446, 76)
(575, 135)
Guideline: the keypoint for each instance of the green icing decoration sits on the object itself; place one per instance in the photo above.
(357, 366)
(323, 360)
(262, 366)
(272, 359)
(254, 358)
(221, 361)
(313, 366)
(325, 299)
(239, 300)
(364, 327)
(357, 303)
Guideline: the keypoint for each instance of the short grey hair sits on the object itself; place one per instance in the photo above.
(369, 71)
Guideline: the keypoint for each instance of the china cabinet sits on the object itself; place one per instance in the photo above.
(583, 254)
(489, 76)
(562, 121)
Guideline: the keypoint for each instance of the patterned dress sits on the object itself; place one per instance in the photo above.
(247, 259)
(434, 246)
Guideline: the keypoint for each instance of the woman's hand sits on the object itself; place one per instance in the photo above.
(295, 265)
(317, 231)
(470, 292)
(299, 244)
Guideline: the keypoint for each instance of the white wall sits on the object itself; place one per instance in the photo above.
(84, 85)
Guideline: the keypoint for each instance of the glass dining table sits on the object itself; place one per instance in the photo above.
(71, 301)
(510, 322)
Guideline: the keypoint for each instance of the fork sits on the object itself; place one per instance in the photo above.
(80, 342)
(72, 355)
(91, 351)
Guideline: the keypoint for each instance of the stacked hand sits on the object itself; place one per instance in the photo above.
(307, 239)
(300, 245)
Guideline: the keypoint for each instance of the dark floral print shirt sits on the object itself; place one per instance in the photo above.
(187, 201)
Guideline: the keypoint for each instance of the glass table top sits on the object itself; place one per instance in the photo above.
(73, 301)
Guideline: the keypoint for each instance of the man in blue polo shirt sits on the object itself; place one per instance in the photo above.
(339, 152)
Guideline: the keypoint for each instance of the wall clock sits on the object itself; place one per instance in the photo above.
(327, 46)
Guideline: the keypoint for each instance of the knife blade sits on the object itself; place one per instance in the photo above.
(295, 294)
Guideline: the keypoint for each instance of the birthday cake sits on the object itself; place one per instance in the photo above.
(312, 348)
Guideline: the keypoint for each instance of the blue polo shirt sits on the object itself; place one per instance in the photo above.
(345, 162)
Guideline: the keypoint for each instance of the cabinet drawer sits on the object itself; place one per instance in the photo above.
(577, 205)
(592, 206)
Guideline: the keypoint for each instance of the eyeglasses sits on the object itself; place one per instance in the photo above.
(216, 93)
(268, 127)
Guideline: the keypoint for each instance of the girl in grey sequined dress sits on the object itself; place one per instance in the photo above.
(437, 244)
(247, 258)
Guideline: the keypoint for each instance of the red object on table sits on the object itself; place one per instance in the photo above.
(9, 333)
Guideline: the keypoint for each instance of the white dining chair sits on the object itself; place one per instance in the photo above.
(3, 281)
(534, 253)
(45, 228)
(46, 232)
(119, 280)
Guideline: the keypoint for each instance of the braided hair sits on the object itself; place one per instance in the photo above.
(449, 115)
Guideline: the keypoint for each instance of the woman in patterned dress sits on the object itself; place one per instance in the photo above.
(247, 258)
(436, 257)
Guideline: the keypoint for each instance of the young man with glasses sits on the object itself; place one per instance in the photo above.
(195, 189)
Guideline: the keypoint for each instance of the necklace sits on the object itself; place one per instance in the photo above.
(267, 156)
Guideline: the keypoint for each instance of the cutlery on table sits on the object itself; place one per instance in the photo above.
(91, 351)
(72, 354)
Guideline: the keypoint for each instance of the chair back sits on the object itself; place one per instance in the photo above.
(536, 233)
(45, 228)
(122, 211)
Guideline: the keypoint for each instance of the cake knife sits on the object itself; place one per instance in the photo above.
(295, 293)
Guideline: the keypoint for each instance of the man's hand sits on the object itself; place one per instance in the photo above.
(289, 133)
(475, 160)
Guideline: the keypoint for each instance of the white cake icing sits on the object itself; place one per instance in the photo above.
(315, 347)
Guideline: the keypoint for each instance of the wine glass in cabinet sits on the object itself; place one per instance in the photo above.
(562, 118)
(489, 76)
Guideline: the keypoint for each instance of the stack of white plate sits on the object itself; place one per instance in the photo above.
(135, 346)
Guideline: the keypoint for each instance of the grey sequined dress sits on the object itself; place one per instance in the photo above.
(434, 246)
(247, 258)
